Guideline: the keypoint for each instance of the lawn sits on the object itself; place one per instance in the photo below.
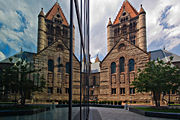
(153, 109)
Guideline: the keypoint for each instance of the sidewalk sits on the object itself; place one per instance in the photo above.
(99, 113)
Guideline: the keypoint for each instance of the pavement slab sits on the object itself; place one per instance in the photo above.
(119, 114)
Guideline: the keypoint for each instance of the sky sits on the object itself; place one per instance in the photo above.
(19, 24)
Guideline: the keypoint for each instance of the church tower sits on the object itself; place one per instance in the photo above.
(129, 25)
(53, 27)
(41, 31)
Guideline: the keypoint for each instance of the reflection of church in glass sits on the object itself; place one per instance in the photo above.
(53, 56)
(111, 78)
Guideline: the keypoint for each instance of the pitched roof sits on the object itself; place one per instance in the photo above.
(142, 10)
(97, 59)
(27, 56)
(41, 12)
(164, 55)
(53, 11)
(109, 23)
(128, 8)
(117, 44)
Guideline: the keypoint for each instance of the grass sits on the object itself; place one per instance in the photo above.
(153, 109)
(19, 107)
(175, 104)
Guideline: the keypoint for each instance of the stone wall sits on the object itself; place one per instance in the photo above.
(57, 79)
(124, 79)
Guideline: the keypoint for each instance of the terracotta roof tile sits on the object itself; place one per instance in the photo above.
(97, 59)
(41, 13)
(109, 23)
(129, 8)
(141, 10)
(53, 12)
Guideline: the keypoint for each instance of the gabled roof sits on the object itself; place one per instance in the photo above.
(55, 43)
(97, 59)
(142, 10)
(164, 55)
(53, 11)
(128, 8)
(117, 44)
(27, 56)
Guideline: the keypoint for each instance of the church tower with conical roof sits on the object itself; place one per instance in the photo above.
(129, 25)
(52, 27)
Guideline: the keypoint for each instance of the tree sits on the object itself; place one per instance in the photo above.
(18, 79)
(158, 77)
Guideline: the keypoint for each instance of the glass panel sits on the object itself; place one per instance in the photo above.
(113, 67)
(41, 79)
(131, 65)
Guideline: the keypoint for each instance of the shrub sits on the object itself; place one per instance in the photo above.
(63, 102)
(60, 102)
(111, 102)
(119, 102)
(115, 102)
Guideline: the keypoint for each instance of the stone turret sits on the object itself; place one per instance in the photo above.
(142, 29)
(110, 34)
(41, 31)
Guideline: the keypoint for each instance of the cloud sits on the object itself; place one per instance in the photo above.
(18, 24)
(2, 56)
(163, 25)
(93, 59)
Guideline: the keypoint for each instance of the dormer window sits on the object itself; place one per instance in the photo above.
(58, 16)
(124, 13)
(121, 47)
(57, 19)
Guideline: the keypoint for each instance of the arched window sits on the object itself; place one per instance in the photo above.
(121, 46)
(132, 39)
(67, 67)
(121, 63)
(124, 29)
(59, 64)
(50, 40)
(113, 67)
(131, 65)
(50, 65)
(58, 30)
(130, 27)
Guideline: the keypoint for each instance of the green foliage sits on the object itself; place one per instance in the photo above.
(158, 77)
(17, 79)
(115, 102)
(119, 102)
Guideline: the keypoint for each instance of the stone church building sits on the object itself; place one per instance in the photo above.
(127, 52)
(111, 78)
(52, 57)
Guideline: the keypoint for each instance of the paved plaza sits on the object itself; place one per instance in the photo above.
(118, 114)
(95, 114)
